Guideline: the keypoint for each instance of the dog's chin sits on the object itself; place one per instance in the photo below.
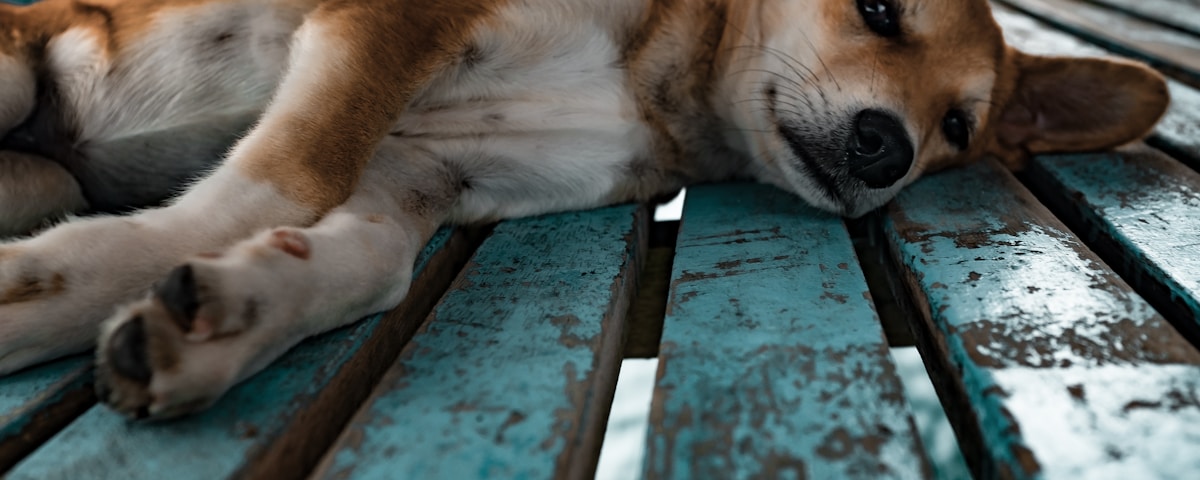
(812, 191)
(848, 201)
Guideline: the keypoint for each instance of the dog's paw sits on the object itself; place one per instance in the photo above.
(162, 356)
(200, 331)
(56, 288)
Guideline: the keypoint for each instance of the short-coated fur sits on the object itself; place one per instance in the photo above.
(280, 151)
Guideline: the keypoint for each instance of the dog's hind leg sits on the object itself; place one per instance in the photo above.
(354, 67)
(33, 191)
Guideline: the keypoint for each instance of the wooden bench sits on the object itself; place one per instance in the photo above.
(1056, 311)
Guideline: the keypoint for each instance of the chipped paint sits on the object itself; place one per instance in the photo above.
(772, 364)
(1146, 203)
(29, 392)
(1181, 15)
(1166, 48)
(526, 339)
(1038, 365)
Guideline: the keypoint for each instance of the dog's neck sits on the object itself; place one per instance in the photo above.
(677, 66)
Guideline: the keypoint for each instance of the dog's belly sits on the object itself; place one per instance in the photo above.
(537, 117)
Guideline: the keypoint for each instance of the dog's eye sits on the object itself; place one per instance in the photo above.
(881, 16)
(957, 128)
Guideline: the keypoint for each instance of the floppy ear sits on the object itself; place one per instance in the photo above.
(1078, 104)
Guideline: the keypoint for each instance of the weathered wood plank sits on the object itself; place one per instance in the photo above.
(1142, 208)
(513, 374)
(1179, 131)
(1174, 52)
(1180, 14)
(773, 363)
(1052, 366)
(36, 403)
(274, 425)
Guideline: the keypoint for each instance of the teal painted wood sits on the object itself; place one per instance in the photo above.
(1179, 131)
(1145, 206)
(773, 362)
(1064, 371)
(1172, 51)
(513, 374)
(223, 441)
(1183, 15)
(36, 402)
(29, 392)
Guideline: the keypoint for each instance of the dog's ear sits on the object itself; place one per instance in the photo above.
(1076, 104)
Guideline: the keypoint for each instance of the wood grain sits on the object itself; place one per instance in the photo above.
(1051, 366)
(1179, 14)
(36, 403)
(1174, 52)
(773, 362)
(513, 375)
(1145, 208)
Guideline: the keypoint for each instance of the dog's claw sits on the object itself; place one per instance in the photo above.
(127, 351)
(178, 296)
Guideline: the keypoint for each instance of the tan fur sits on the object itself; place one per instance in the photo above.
(354, 128)
(320, 169)
(1040, 115)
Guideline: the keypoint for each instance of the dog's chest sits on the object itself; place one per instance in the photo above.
(538, 69)
(542, 96)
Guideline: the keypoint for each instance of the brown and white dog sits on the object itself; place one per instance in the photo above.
(351, 129)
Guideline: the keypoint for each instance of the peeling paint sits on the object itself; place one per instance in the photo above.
(519, 349)
(1041, 367)
(779, 369)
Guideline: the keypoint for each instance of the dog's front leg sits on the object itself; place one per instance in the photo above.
(353, 68)
(223, 316)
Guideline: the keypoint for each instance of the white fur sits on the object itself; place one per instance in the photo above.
(549, 108)
(176, 74)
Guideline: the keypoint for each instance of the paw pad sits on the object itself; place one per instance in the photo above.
(127, 351)
(291, 242)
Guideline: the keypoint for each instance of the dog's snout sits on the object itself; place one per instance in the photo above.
(879, 150)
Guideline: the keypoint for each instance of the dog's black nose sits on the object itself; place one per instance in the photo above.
(879, 150)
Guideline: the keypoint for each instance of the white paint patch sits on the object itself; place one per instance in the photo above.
(1124, 421)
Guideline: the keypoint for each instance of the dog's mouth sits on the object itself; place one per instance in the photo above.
(824, 183)
(846, 162)
(822, 179)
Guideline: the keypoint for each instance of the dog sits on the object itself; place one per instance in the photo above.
(304, 146)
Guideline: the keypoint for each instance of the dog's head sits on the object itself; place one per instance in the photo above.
(847, 101)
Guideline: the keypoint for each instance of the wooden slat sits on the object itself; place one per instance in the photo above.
(1180, 14)
(1147, 247)
(513, 374)
(1179, 131)
(1052, 367)
(1172, 51)
(773, 363)
(274, 425)
(36, 403)
(1145, 209)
